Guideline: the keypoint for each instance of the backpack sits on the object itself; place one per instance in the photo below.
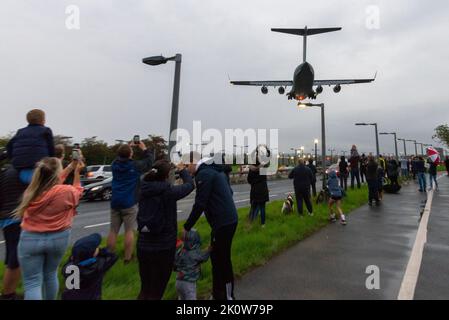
(151, 216)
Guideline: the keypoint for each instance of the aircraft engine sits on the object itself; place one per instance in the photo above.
(337, 88)
(319, 89)
(264, 90)
(281, 90)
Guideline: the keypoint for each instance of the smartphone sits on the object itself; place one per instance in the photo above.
(136, 139)
(75, 154)
(76, 146)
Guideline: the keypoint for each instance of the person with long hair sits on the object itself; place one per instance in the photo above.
(47, 210)
(157, 226)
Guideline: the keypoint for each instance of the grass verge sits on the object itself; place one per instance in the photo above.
(252, 246)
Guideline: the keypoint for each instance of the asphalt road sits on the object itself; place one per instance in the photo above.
(94, 216)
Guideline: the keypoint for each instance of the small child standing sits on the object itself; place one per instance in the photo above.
(30, 145)
(336, 194)
(188, 260)
(93, 263)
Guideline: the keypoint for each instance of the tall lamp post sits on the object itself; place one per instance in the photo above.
(316, 151)
(422, 149)
(375, 131)
(323, 136)
(395, 142)
(405, 147)
(155, 61)
(416, 148)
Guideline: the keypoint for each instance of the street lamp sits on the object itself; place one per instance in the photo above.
(155, 61)
(302, 151)
(316, 151)
(323, 136)
(422, 150)
(395, 142)
(416, 149)
(405, 147)
(375, 130)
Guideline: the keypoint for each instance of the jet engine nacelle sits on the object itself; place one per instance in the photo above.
(264, 90)
(337, 88)
(281, 90)
(319, 89)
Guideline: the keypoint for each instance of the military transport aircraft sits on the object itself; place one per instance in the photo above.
(303, 77)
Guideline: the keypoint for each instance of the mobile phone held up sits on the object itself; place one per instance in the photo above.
(75, 154)
(136, 139)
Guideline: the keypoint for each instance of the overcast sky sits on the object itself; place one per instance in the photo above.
(91, 81)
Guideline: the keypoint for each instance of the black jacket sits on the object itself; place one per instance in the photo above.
(312, 167)
(343, 167)
(30, 145)
(213, 197)
(433, 169)
(371, 170)
(302, 177)
(11, 191)
(392, 168)
(152, 194)
(259, 187)
(91, 277)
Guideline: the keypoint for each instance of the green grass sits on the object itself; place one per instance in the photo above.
(252, 246)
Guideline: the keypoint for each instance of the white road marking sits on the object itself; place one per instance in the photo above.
(97, 225)
(1, 242)
(241, 200)
(179, 211)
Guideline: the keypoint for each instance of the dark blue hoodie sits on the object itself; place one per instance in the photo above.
(213, 197)
(158, 204)
(125, 180)
(30, 145)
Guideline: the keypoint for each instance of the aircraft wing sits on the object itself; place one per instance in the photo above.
(341, 81)
(275, 83)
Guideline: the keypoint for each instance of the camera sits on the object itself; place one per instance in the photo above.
(136, 139)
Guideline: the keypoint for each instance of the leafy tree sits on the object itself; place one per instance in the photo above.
(61, 139)
(96, 151)
(442, 134)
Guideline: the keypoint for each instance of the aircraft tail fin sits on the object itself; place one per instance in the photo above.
(304, 31)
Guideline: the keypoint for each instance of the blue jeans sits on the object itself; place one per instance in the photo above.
(39, 257)
(254, 211)
(422, 181)
(432, 178)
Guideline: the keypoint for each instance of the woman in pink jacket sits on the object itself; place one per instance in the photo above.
(47, 212)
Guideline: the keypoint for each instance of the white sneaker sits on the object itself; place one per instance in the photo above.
(343, 220)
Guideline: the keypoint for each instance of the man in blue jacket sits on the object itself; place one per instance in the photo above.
(125, 181)
(214, 198)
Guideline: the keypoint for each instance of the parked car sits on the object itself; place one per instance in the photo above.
(100, 190)
(333, 167)
(97, 173)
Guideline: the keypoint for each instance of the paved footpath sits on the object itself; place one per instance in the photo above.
(332, 263)
(433, 280)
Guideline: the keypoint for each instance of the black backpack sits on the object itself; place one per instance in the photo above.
(151, 216)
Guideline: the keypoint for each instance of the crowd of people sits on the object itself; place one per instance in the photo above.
(38, 201)
(40, 191)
